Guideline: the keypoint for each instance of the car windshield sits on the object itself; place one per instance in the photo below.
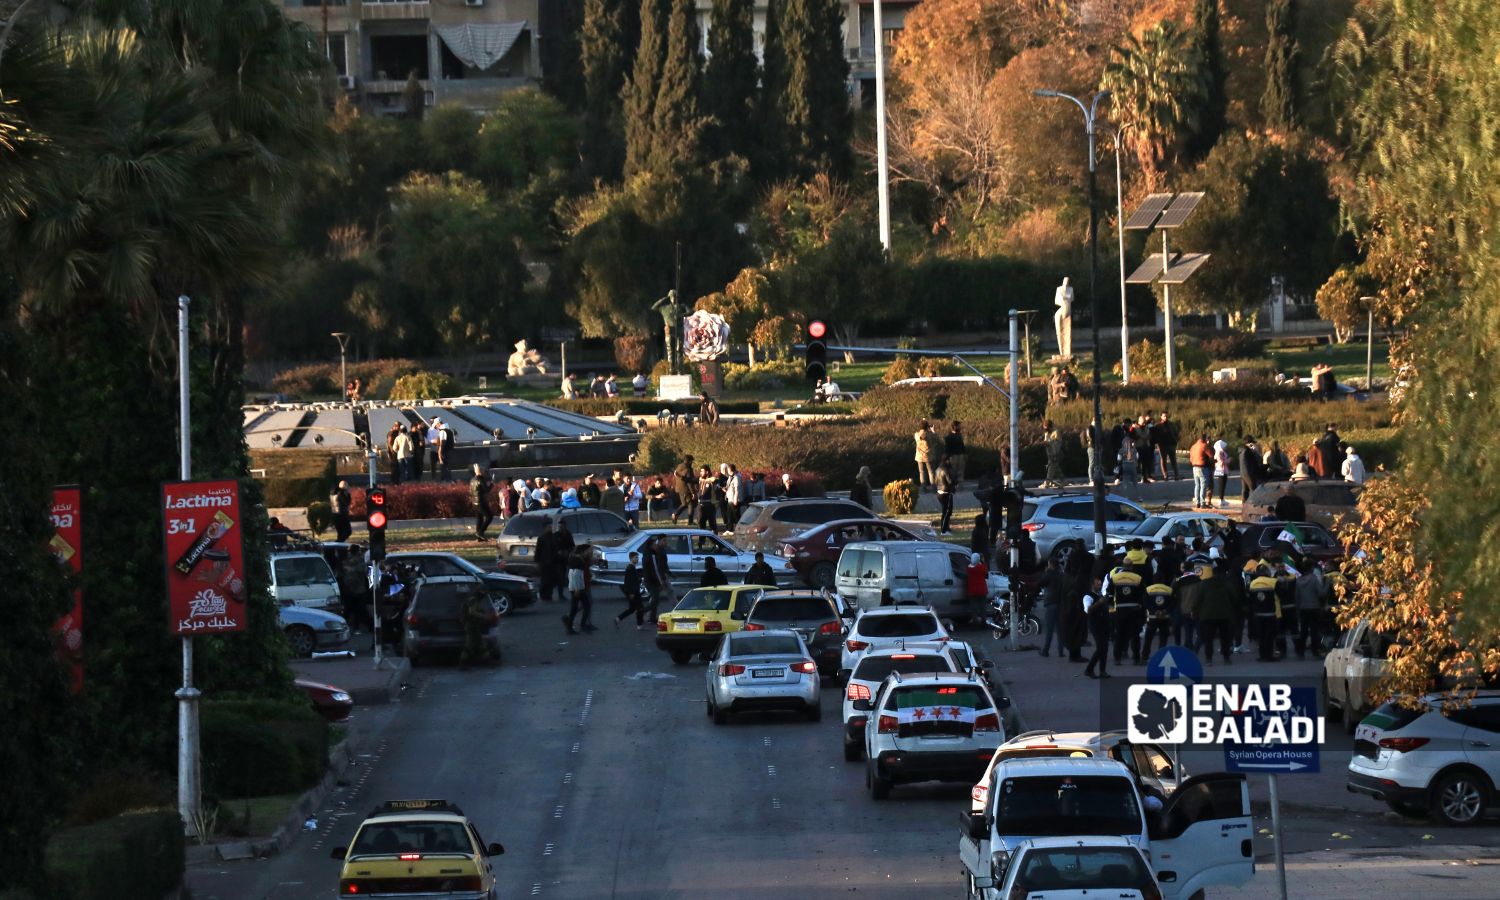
(443, 600)
(1081, 868)
(704, 599)
(378, 838)
(876, 668)
(935, 695)
(302, 570)
(525, 526)
(763, 645)
(1065, 805)
(1151, 525)
(789, 609)
(913, 625)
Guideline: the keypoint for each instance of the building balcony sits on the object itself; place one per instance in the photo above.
(386, 11)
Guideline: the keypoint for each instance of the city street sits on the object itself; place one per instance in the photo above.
(590, 758)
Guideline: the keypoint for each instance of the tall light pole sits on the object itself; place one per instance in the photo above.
(1120, 227)
(189, 766)
(1369, 346)
(343, 338)
(1090, 111)
(882, 182)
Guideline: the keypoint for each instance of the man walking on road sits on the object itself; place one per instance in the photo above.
(687, 489)
(580, 580)
(1096, 610)
(657, 575)
(943, 480)
(338, 504)
(479, 492)
(545, 558)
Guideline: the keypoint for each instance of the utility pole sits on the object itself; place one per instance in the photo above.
(189, 786)
(882, 182)
(1120, 227)
(1369, 346)
(343, 338)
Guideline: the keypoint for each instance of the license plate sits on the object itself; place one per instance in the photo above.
(523, 551)
(766, 673)
(687, 626)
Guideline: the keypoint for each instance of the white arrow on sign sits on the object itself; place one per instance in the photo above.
(1168, 666)
(1288, 766)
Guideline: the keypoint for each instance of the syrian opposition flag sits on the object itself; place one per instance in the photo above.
(938, 719)
(1291, 534)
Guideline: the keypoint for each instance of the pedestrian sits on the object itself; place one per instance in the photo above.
(1213, 602)
(443, 448)
(407, 465)
(633, 497)
(708, 410)
(1086, 438)
(611, 386)
(1278, 467)
(639, 383)
(788, 489)
(1312, 594)
(1221, 472)
(596, 386)
(338, 506)
(561, 555)
(479, 493)
(1164, 434)
(1125, 591)
(1145, 446)
(760, 572)
(713, 576)
(928, 451)
(419, 437)
(1265, 610)
(569, 387)
(544, 555)
(508, 500)
(1316, 465)
(581, 602)
(397, 468)
(658, 576)
(1129, 461)
(1117, 438)
(943, 481)
(354, 588)
(687, 489)
(1096, 613)
(1200, 457)
(634, 589)
(1160, 610)
(1252, 470)
(588, 492)
(478, 614)
(861, 492)
(1052, 439)
(1354, 467)
(658, 498)
(955, 451)
(1329, 444)
(979, 538)
(613, 498)
(709, 493)
(723, 496)
(1050, 590)
(734, 497)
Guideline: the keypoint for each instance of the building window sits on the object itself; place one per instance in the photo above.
(337, 51)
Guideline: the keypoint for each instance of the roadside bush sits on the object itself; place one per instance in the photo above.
(631, 352)
(900, 497)
(423, 386)
(420, 500)
(322, 379)
(254, 748)
(290, 492)
(766, 376)
(636, 407)
(319, 516)
(1233, 345)
(1148, 359)
(937, 366)
(117, 791)
(136, 856)
(900, 369)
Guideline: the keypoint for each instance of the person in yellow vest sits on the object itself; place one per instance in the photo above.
(1125, 594)
(1265, 612)
(1160, 604)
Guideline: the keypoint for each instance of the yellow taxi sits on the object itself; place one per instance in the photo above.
(702, 618)
(422, 847)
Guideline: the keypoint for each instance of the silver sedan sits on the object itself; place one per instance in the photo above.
(688, 553)
(762, 670)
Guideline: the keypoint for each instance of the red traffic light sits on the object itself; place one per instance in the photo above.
(377, 497)
(816, 329)
(376, 519)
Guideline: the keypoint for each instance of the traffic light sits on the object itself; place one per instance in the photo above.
(375, 519)
(1010, 501)
(817, 350)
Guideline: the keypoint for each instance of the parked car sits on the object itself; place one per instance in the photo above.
(1356, 662)
(507, 591)
(814, 553)
(434, 620)
(515, 548)
(309, 629)
(1445, 761)
(1151, 764)
(1159, 528)
(1312, 540)
(871, 574)
(765, 524)
(762, 670)
(814, 617)
(303, 577)
(701, 619)
(688, 550)
(1323, 500)
(333, 704)
(1062, 523)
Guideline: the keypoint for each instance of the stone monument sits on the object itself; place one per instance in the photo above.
(525, 361)
(1062, 320)
(671, 316)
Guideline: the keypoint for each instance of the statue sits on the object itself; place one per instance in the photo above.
(671, 314)
(1062, 320)
(523, 359)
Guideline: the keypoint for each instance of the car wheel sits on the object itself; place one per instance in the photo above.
(1029, 627)
(822, 576)
(721, 716)
(682, 657)
(1459, 798)
(1063, 552)
(708, 706)
(853, 752)
(302, 640)
(880, 788)
(1350, 714)
(1329, 707)
(501, 602)
(1405, 808)
(814, 712)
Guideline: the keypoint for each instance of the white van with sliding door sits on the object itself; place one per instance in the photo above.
(883, 573)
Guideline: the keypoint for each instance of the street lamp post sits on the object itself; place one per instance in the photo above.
(1120, 227)
(1369, 346)
(343, 338)
(882, 185)
(1090, 111)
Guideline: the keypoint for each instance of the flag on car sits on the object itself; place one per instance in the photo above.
(1291, 534)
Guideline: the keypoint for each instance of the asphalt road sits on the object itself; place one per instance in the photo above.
(592, 760)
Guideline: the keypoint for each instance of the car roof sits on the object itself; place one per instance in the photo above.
(906, 546)
(853, 520)
(1091, 840)
(898, 609)
(923, 678)
(415, 816)
(726, 588)
(910, 647)
(315, 554)
(765, 632)
(1042, 738)
(793, 501)
(1057, 765)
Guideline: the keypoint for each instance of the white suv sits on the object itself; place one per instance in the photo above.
(942, 726)
(872, 670)
(889, 626)
(1429, 759)
(1152, 765)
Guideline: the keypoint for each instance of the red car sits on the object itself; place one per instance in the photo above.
(815, 552)
(333, 704)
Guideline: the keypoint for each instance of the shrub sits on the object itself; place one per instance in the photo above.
(937, 366)
(254, 748)
(1233, 345)
(636, 408)
(424, 386)
(289, 492)
(900, 497)
(319, 516)
(1148, 359)
(900, 369)
(767, 376)
(631, 352)
(377, 376)
(420, 500)
(136, 856)
(117, 791)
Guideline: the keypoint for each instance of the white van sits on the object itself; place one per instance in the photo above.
(931, 573)
(305, 579)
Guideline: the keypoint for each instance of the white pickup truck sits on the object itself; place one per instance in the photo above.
(1202, 837)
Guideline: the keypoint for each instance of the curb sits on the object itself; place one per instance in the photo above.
(398, 672)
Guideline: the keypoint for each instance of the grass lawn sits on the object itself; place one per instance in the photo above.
(254, 816)
(1348, 360)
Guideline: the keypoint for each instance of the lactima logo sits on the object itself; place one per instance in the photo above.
(1254, 714)
(198, 501)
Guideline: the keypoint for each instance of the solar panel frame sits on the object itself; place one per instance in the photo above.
(1180, 209)
(1146, 214)
(1149, 270)
(1183, 266)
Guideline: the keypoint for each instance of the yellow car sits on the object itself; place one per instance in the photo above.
(424, 847)
(702, 618)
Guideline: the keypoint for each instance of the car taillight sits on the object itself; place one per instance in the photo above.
(728, 669)
(886, 725)
(1403, 744)
(856, 691)
(348, 887)
(411, 619)
(1033, 526)
(711, 625)
(987, 722)
(788, 551)
(806, 667)
(411, 856)
(903, 656)
(754, 626)
(858, 721)
(661, 624)
(979, 792)
(828, 628)
(856, 646)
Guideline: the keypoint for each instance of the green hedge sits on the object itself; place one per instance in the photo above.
(254, 748)
(299, 492)
(135, 856)
(637, 407)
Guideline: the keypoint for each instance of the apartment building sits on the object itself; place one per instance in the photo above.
(462, 51)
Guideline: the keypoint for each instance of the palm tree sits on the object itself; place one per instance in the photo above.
(1159, 82)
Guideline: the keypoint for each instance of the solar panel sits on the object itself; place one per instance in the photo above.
(1180, 209)
(1146, 215)
(1183, 267)
(1149, 271)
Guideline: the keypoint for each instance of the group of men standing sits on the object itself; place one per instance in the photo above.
(407, 447)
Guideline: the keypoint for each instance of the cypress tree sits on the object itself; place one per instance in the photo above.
(811, 117)
(731, 78)
(770, 161)
(676, 126)
(641, 89)
(604, 53)
(1215, 100)
(1279, 103)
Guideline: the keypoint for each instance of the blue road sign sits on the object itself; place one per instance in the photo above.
(1279, 759)
(1174, 665)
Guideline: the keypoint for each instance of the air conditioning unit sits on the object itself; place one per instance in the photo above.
(473, 2)
(347, 82)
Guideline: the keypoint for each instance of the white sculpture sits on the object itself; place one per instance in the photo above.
(525, 360)
(1062, 320)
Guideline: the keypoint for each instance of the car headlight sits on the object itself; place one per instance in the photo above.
(333, 626)
(341, 697)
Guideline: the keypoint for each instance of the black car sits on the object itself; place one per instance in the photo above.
(507, 592)
(435, 619)
(813, 616)
(1308, 539)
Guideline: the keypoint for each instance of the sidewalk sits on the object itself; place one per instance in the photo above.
(1453, 873)
(357, 675)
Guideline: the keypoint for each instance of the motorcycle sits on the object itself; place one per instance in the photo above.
(999, 618)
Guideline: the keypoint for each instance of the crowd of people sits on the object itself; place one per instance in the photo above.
(409, 447)
(602, 386)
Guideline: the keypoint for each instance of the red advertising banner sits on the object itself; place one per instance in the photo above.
(67, 549)
(205, 556)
